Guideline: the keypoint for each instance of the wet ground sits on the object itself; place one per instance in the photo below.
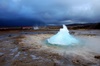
(30, 49)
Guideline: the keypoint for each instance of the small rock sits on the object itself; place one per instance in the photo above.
(1, 54)
(9, 35)
(75, 61)
(23, 48)
(97, 57)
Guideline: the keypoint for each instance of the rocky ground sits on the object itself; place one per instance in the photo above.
(30, 49)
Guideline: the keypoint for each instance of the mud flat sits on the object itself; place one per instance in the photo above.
(30, 49)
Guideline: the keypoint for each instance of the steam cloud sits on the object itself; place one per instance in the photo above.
(52, 10)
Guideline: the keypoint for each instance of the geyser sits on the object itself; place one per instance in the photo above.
(63, 37)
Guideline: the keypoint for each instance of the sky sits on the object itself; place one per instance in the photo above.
(50, 11)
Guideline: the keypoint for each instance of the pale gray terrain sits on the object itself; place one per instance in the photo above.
(31, 49)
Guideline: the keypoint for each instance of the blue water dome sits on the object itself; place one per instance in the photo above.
(63, 37)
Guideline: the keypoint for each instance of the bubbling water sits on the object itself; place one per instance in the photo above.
(63, 37)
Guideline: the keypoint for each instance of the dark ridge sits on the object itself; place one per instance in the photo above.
(85, 26)
(78, 26)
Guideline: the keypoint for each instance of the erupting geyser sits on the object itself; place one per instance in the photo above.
(63, 38)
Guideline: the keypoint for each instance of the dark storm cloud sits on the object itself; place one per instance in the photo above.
(52, 10)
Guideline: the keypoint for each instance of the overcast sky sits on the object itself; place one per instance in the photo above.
(50, 11)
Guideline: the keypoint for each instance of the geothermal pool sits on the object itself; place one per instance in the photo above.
(89, 43)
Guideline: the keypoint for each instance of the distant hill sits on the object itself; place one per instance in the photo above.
(86, 26)
(77, 26)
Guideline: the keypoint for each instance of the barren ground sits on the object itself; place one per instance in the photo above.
(30, 49)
